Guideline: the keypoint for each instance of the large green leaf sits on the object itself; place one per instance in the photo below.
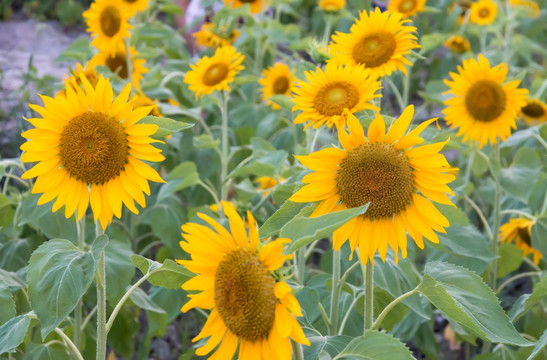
(52, 351)
(7, 305)
(304, 230)
(59, 274)
(13, 333)
(527, 301)
(142, 300)
(169, 275)
(538, 235)
(282, 216)
(462, 296)
(119, 269)
(519, 179)
(540, 348)
(321, 346)
(166, 126)
(510, 258)
(375, 345)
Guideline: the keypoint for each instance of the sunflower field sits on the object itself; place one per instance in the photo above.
(281, 179)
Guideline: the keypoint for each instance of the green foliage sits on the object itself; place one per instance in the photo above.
(375, 345)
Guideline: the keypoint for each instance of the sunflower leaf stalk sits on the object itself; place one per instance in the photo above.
(368, 270)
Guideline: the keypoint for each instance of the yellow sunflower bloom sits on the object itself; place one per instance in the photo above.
(276, 80)
(406, 7)
(483, 12)
(108, 24)
(327, 94)
(131, 7)
(89, 150)
(140, 100)
(267, 183)
(117, 63)
(387, 171)
(332, 5)
(207, 36)
(483, 107)
(89, 72)
(519, 230)
(256, 5)
(235, 281)
(534, 111)
(458, 44)
(378, 40)
(214, 73)
(532, 7)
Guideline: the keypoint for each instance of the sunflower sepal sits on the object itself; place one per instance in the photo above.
(166, 126)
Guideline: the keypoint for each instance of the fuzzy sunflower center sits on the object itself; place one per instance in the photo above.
(333, 98)
(533, 110)
(244, 295)
(484, 12)
(215, 74)
(118, 64)
(247, 1)
(376, 173)
(524, 235)
(375, 49)
(485, 100)
(93, 148)
(406, 6)
(281, 85)
(130, 1)
(110, 21)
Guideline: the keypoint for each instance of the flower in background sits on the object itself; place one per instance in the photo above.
(483, 108)
(463, 6)
(88, 72)
(406, 7)
(256, 5)
(235, 280)
(378, 40)
(483, 12)
(133, 6)
(534, 111)
(387, 171)
(276, 80)
(207, 36)
(140, 100)
(117, 63)
(458, 44)
(214, 73)
(108, 25)
(519, 230)
(531, 6)
(332, 5)
(90, 150)
(327, 94)
(267, 184)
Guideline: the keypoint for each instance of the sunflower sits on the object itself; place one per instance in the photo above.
(378, 40)
(332, 5)
(108, 25)
(117, 63)
(534, 111)
(89, 72)
(532, 8)
(207, 36)
(520, 231)
(463, 7)
(406, 7)
(256, 5)
(277, 79)
(458, 44)
(327, 94)
(235, 279)
(133, 6)
(89, 150)
(267, 183)
(141, 100)
(483, 12)
(216, 72)
(483, 107)
(387, 171)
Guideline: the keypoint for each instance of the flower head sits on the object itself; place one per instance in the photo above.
(133, 6)
(276, 80)
(117, 63)
(483, 12)
(256, 5)
(207, 36)
(458, 44)
(108, 24)
(534, 111)
(332, 5)
(519, 231)
(406, 7)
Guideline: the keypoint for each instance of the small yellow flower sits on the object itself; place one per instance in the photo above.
(332, 5)
(206, 36)
(458, 44)
(276, 80)
(267, 183)
(108, 25)
(117, 63)
(133, 6)
(406, 7)
(532, 7)
(483, 12)
(256, 5)
(534, 111)
(519, 230)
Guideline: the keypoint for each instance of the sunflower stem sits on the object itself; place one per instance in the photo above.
(100, 276)
(129, 65)
(396, 92)
(69, 344)
(224, 160)
(333, 328)
(391, 305)
(368, 271)
(328, 27)
(300, 264)
(297, 349)
(406, 87)
(497, 218)
(80, 229)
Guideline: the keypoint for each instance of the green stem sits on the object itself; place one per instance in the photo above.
(73, 349)
(210, 190)
(406, 87)
(348, 312)
(80, 229)
(297, 350)
(369, 294)
(129, 64)
(516, 277)
(300, 264)
(481, 216)
(518, 212)
(497, 217)
(100, 276)
(224, 160)
(333, 328)
(396, 92)
(391, 305)
(328, 26)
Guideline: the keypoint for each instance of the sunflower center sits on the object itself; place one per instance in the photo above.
(247, 1)
(281, 85)
(375, 49)
(485, 100)
(407, 6)
(93, 148)
(525, 236)
(215, 74)
(110, 20)
(484, 12)
(533, 110)
(244, 295)
(376, 173)
(130, 1)
(118, 64)
(333, 98)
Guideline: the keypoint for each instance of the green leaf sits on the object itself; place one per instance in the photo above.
(13, 333)
(170, 275)
(283, 100)
(538, 235)
(537, 201)
(79, 50)
(375, 345)
(304, 230)
(539, 348)
(59, 274)
(47, 352)
(119, 269)
(144, 265)
(510, 258)
(182, 176)
(331, 345)
(282, 216)
(462, 296)
(124, 331)
(205, 142)
(7, 305)
(528, 301)
(171, 9)
(142, 300)
(519, 179)
(166, 126)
